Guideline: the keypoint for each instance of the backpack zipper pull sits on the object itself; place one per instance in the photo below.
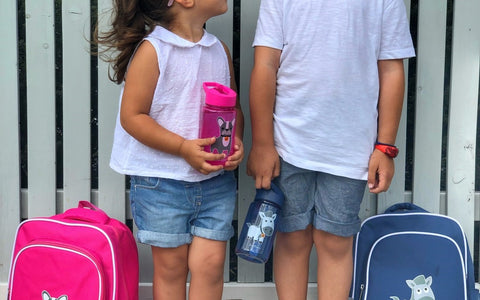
(362, 287)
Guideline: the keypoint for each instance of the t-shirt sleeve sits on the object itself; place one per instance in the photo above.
(269, 30)
(396, 41)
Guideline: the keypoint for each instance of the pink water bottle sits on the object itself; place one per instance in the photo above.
(218, 119)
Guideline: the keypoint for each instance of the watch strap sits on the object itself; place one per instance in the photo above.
(388, 149)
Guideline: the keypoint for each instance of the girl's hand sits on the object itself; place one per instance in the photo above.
(236, 158)
(192, 152)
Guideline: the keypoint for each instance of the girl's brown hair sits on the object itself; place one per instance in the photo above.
(132, 20)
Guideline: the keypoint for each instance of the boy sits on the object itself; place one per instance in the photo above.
(326, 97)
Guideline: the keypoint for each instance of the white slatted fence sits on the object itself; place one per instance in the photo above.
(437, 103)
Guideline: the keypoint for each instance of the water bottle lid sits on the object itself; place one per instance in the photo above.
(274, 194)
(219, 95)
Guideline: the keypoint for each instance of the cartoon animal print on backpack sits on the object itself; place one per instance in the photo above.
(421, 289)
(46, 296)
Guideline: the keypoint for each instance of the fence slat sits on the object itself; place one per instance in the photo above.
(40, 54)
(463, 113)
(247, 271)
(222, 27)
(76, 100)
(111, 185)
(9, 135)
(432, 23)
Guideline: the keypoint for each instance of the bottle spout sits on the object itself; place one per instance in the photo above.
(219, 95)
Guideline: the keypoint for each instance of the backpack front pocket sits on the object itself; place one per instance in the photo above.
(415, 265)
(49, 270)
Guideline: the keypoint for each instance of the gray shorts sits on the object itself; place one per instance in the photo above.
(331, 203)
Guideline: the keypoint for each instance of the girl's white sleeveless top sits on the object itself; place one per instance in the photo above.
(176, 105)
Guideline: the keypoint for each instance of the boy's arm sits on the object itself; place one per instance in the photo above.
(263, 161)
(390, 103)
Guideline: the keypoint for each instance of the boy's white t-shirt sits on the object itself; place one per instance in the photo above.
(325, 116)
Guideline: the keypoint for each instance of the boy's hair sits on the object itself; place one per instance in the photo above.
(132, 20)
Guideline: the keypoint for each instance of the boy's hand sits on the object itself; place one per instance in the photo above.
(380, 172)
(236, 158)
(263, 165)
(192, 152)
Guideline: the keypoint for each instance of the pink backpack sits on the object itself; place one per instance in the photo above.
(80, 254)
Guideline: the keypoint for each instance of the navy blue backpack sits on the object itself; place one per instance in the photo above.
(408, 253)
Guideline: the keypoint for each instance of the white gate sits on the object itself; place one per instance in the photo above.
(35, 119)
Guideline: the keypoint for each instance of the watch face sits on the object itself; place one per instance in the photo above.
(391, 151)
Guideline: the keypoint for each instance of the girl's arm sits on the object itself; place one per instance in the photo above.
(390, 103)
(140, 83)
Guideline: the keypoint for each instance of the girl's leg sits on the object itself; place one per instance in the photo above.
(206, 260)
(170, 272)
(290, 263)
(335, 264)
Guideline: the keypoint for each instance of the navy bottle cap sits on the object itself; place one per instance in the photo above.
(274, 194)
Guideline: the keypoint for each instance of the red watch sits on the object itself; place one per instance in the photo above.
(388, 149)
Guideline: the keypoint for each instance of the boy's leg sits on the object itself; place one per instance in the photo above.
(337, 203)
(206, 260)
(290, 263)
(294, 238)
(335, 263)
(170, 272)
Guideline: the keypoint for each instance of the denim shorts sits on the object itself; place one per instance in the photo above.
(331, 203)
(168, 213)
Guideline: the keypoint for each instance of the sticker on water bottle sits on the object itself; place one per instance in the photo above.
(264, 227)
(223, 143)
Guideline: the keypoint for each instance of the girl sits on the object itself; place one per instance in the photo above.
(182, 205)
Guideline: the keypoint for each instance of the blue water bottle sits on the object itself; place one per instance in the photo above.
(258, 232)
